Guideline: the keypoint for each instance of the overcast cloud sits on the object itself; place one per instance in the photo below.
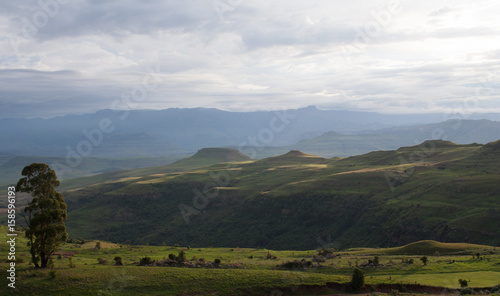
(398, 56)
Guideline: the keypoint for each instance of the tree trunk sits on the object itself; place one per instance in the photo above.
(43, 259)
(33, 258)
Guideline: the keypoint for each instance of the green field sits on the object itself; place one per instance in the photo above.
(255, 275)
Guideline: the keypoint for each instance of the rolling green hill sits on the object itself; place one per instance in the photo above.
(437, 190)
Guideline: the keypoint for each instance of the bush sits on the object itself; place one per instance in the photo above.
(171, 257)
(466, 291)
(217, 262)
(269, 256)
(97, 246)
(59, 257)
(182, 256)
(146, 261)
(495, 289)
(102, 261)
(295, 265)
(358, 279)
(118, 261)
(463, 283)
(424, 260)
(325, 252)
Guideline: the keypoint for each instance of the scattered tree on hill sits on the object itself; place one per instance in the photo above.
(97, 246)
(45, 213)
(146, 261)
(358, 279)
(217, 262)
(463, 283)
(424, 260)
(182, 256)
(118, 261)
(376, 260)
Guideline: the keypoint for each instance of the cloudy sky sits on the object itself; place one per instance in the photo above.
(393, 56)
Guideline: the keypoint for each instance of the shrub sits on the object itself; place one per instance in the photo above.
(102, 261)
(358, 279)
(269, 256)
(376, 260)
(146, 261)
(424, 260)
(171, 257)
(463, 283)
(59, 257)
(466, 291)
(295, 265)
(325, 252)
(182, 256)
(118, 261)
(217, 262)
(495, 289)
(97, 246)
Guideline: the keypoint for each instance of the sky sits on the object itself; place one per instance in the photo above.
(62, 57)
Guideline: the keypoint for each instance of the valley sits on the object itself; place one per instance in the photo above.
(219, 197)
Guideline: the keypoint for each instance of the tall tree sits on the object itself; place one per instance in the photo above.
(45, 213)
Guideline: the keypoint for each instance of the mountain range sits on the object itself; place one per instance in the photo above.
(146, 133)
(83, 145)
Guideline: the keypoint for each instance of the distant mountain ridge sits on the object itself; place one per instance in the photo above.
(460, 132)
(142, 133)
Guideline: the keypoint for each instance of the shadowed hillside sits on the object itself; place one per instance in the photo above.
(437, 190)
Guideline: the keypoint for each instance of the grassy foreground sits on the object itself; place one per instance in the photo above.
(256, 275)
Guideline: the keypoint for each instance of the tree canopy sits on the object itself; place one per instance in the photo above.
(45, 213)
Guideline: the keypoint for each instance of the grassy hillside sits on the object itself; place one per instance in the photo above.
(243, 271)
(437, 190)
